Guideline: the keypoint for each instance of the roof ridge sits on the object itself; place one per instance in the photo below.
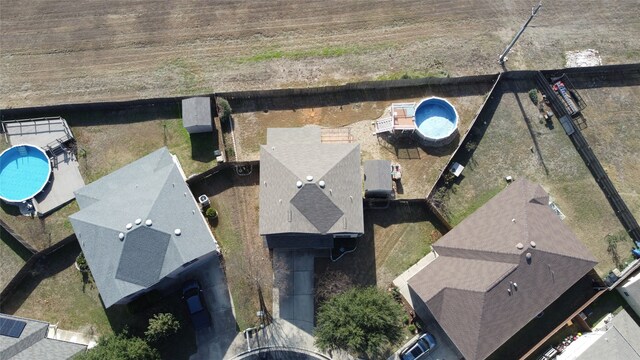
(356, 146)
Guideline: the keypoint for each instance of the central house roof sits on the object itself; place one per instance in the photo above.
(139, 224)
(499, 268)
(309, 187)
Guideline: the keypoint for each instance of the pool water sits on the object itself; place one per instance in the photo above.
(435, 118)
(24, 171)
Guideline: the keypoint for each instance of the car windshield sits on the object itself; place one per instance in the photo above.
(425, 344)
(194, 304)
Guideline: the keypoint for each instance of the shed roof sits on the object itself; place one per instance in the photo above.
(196, 111)
(620, 342)
(330, 202)
(151, 188)
(377, 176)
(483, 288)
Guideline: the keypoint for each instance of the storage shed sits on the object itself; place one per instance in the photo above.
(196, 115)
(377, 179)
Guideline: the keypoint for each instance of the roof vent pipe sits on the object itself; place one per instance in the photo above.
(177, 232)
(322, 183)
(121, 236)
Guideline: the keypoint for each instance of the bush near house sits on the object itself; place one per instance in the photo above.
(362, 321)
(224, 109)
(120, 347)
(161, 326)
(211, 213)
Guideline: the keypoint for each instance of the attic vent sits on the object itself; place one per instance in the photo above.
(533, 244)
(185, 194)
(177, 232)
(121, 236)
(513, 220)
(279, 201)
(138, 221)
(515, 286)
(509, 291)
(298, 184)
(322, 183)
(309, 177)
(528, 256)
(129, 226)
(148, 222)
(519, 246)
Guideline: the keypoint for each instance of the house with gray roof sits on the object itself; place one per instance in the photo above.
(140, 228)
(26, 339)
(498, 269)
(619, 339)
(310, 192)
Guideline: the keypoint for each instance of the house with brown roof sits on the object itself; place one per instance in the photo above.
(498, 269)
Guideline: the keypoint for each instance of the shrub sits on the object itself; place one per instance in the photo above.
(161, 326)
(120, 347)
(211, 213)
(412, 328)
(362, 321)
(224, 109)
(533, 95)
(82, 263)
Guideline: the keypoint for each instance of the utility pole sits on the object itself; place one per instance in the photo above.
(534, 11)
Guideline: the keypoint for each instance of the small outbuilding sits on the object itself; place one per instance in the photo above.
(196, 115)
(377, 179)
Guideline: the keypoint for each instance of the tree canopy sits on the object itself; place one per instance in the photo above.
(120, 347)
(362, 321)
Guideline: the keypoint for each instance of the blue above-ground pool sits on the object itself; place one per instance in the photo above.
(436, 121)
(24, 172)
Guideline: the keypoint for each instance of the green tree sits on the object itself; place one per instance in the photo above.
(362, 321)
(224, 109)
(120, 347)
(161, 326)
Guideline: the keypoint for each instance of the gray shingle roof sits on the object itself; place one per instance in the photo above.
(196, 111)
(311, 209)
(377, 176)
(33, 344)
(151, 188)
(620, 342)
(466, 286)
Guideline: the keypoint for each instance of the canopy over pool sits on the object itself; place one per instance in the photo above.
(24, 172)
(436, 118)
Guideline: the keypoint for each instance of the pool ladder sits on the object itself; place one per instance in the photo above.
(22, 151)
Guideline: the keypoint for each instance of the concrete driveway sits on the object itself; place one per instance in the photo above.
(214, 342)
(445, 349)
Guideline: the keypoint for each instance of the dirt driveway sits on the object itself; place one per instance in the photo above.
(66, 51)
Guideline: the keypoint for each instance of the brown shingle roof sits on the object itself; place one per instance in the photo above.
(466, 287)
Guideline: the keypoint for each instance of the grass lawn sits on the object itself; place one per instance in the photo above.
(507, 148)
(57, 293)
(246, 259)
(613, 131)
(13, 256)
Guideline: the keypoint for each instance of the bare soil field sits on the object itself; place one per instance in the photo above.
(507, 148)
(421, 166)
(613, 132)
(65, 51)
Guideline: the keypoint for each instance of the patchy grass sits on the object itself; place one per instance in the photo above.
(610, 302)
(613, 131)
(394, 239)
(57, 293)
(39, 232)
(13, 256)
(246, 260)
(414, 74)
(300, 54)
(507, 148)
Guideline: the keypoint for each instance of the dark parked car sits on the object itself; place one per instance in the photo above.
(192, 295)
(424, 345)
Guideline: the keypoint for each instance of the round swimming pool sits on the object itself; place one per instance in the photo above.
(24, 172)
(436, 121)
